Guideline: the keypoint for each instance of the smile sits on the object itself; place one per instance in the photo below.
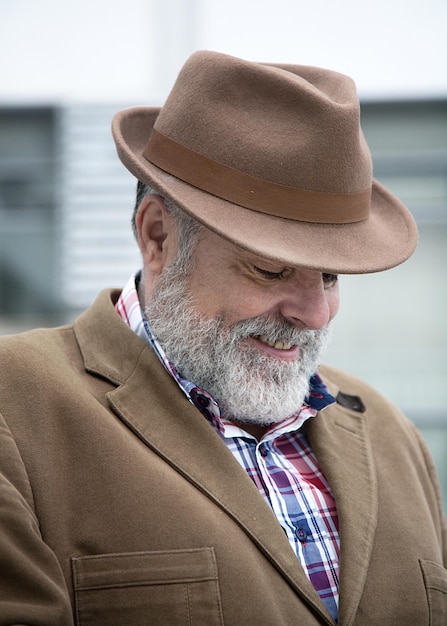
(279, 345)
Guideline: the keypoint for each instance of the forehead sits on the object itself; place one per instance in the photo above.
(217, 247)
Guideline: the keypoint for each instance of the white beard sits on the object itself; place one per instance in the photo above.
(250, 386)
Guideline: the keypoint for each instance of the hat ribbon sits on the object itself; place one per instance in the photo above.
(252, 192)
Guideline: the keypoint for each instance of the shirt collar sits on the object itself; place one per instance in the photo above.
(129, 309)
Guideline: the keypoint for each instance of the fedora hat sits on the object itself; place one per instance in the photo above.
(272, 157)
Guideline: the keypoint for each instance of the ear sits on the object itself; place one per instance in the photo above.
(157, 234)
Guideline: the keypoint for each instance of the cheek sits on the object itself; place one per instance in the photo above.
(245, 303)
(232, 305)
(208, 295)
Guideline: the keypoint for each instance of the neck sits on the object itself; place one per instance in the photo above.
(256, 430)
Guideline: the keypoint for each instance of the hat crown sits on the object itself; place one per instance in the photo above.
(292, 125)
(271, 157)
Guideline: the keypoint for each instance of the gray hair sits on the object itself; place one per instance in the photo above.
(189, 229)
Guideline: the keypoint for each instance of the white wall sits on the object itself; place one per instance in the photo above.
(109, 50)
(390, 47)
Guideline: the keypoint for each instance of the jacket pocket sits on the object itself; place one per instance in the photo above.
(435, 579)
(178, 587)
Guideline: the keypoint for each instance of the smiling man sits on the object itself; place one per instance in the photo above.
(179, 455)
(247, 329)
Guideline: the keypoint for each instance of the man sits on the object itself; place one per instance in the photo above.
(177, 455)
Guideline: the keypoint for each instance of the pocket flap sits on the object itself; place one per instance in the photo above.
(144, 568)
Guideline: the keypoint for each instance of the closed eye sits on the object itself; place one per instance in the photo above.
(269, 275)
(329, 280)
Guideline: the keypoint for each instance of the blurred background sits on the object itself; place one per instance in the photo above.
(66, 201)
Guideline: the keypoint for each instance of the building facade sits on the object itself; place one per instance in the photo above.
(65, 208)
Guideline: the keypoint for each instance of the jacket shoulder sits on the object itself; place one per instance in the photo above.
(34, 345)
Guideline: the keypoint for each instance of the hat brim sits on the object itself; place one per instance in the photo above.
(386, 239)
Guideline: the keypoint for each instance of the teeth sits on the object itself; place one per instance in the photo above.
(279, 345)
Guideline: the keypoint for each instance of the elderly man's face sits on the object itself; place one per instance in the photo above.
(234, 285)
(247, 330)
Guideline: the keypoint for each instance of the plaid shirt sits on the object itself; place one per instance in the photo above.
(282, 465)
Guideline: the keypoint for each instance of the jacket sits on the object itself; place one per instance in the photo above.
(119, 504)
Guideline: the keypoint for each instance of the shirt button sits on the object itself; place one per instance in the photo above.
(200, 400)
(301, 534)
(263, 450)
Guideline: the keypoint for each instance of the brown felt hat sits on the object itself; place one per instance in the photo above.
(271, 157)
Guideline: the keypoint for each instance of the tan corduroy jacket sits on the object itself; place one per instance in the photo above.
(119, 505)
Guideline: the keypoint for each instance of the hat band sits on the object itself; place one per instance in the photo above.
(255, 193)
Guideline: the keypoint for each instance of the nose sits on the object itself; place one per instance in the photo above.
(307, 302)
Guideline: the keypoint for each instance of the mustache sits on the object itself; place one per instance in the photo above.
(274, 329)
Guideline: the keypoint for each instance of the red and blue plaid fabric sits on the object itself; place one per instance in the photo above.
(282, 466)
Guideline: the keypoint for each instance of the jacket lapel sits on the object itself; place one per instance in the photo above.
(183, 438)
(340, 440)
